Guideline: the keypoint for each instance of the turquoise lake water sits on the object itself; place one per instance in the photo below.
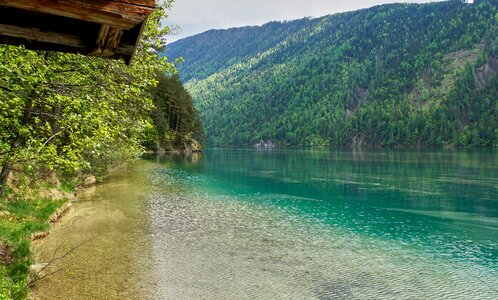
(301, 224)
(346, 224)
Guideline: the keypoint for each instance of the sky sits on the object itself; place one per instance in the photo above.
(197, 16)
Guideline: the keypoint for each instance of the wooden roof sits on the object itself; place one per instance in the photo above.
(108, 28)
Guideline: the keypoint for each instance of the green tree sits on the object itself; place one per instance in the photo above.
(76, 114)
(177, 122)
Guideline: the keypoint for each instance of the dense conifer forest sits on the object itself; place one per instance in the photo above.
(177, 124)
(391, 75)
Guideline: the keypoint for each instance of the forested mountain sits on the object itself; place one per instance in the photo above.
(398, 74)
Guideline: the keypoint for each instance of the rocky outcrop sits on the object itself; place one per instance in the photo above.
(194, 146)
(39, 235)
(487, 71)
(89, 181)
(262, 144)
(60, 212)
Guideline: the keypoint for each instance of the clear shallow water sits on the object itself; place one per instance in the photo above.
(232, 224)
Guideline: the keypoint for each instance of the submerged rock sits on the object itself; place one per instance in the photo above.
(89, 181)
(37, 270)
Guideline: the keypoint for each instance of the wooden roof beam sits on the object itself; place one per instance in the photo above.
(107, 45)
(123, 14)
(41, 36)
(108, 41)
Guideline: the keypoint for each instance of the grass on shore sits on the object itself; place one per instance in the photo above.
(23, 213)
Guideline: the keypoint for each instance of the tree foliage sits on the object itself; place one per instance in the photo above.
(75, 114)
(177, 123)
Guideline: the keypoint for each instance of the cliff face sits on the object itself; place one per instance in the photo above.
(487, 72)
(401, 74)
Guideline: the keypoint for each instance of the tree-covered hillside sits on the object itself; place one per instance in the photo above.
(177, 124)
(400, 74)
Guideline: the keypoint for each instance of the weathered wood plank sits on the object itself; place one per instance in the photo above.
(149, 3)
(41, 36)
(125, 49)
(117, 14)
(107, 41)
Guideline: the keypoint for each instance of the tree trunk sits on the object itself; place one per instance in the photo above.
(177, 119)
(4, 175)
(15, 144)
(169, 117)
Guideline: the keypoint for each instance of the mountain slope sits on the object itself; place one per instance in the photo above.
(401, 74)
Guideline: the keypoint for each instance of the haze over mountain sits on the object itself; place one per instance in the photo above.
(397, 74)
(196, 16)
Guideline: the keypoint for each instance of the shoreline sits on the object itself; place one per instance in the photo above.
(102, 236)
(28, 215)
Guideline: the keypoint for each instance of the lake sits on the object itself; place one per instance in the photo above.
(283, 224)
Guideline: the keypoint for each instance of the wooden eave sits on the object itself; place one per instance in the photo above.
(108, 28)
